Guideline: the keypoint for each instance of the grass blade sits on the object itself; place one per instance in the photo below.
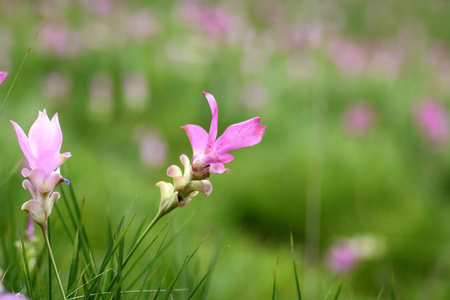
(299, 294)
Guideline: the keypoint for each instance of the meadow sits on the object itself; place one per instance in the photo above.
(346, 196)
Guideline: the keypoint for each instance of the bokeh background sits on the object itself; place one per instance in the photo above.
(355, 160)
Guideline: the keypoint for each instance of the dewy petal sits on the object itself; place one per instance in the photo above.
(213, 128)
(45, 135)
(24, 144)
(3, 76)
(197, 136)
(244, 134)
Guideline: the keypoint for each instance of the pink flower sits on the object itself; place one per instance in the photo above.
(41, 147)
(210, 154)
(359, 118)
(343, 257)
(432, 118)
(3, 76)
(42, 151)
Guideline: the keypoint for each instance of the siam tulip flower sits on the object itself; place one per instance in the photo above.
(42, 151)
(359, 119)
(348, 252)
(210, 153)
(3, 76)
(432, 118)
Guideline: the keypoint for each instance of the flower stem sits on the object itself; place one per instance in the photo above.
(52, 259)
(146, 231)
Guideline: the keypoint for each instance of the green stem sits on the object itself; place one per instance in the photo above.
(141, 238)
(52, 259)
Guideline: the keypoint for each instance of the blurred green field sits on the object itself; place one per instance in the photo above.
(124, 76)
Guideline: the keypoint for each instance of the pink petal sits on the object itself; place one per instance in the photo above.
(217, 168)
(225, 157)
(197, 136)
(213, 128)
(24, 144)
(45, 135)
(3, 76)
(244, 134)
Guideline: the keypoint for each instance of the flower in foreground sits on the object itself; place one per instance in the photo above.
(210, 154)
(3, 76)
(41, 149)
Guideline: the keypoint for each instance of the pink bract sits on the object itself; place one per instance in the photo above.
(210, 154)
(43, 144)
(3, 76)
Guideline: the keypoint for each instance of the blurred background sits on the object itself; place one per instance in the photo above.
(355, 160)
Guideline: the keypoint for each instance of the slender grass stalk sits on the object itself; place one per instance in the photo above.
(141, 238)
(52, 260)
(22, 63)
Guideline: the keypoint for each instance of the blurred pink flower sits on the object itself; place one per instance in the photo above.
(42, 151)
(56, 86)
(3, 76)
(101, 94)
(99, 7)
(153, 150)
(213, 20)
(350, 58)
(432, 118)
(142, 25)
(359, 118)
(210, 154)
(135, 88)
(59, 39)
(30, 229)
(342, 257)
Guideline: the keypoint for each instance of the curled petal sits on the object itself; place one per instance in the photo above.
(174, 171)
(213, 128)
(225, 157)
(3, 76)
(197, 136)
(43, 181)
(25, 172)
(30, 188)
(34, 209)
(51, 201)
(24, 144)
(166, 189)
(244, 134)
(218, 168)
(185, 162)
(203, 186)
(185, 202)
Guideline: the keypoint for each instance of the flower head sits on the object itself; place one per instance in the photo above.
(43, 144)
(210, 153)
(42, 150)
(3, 76)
